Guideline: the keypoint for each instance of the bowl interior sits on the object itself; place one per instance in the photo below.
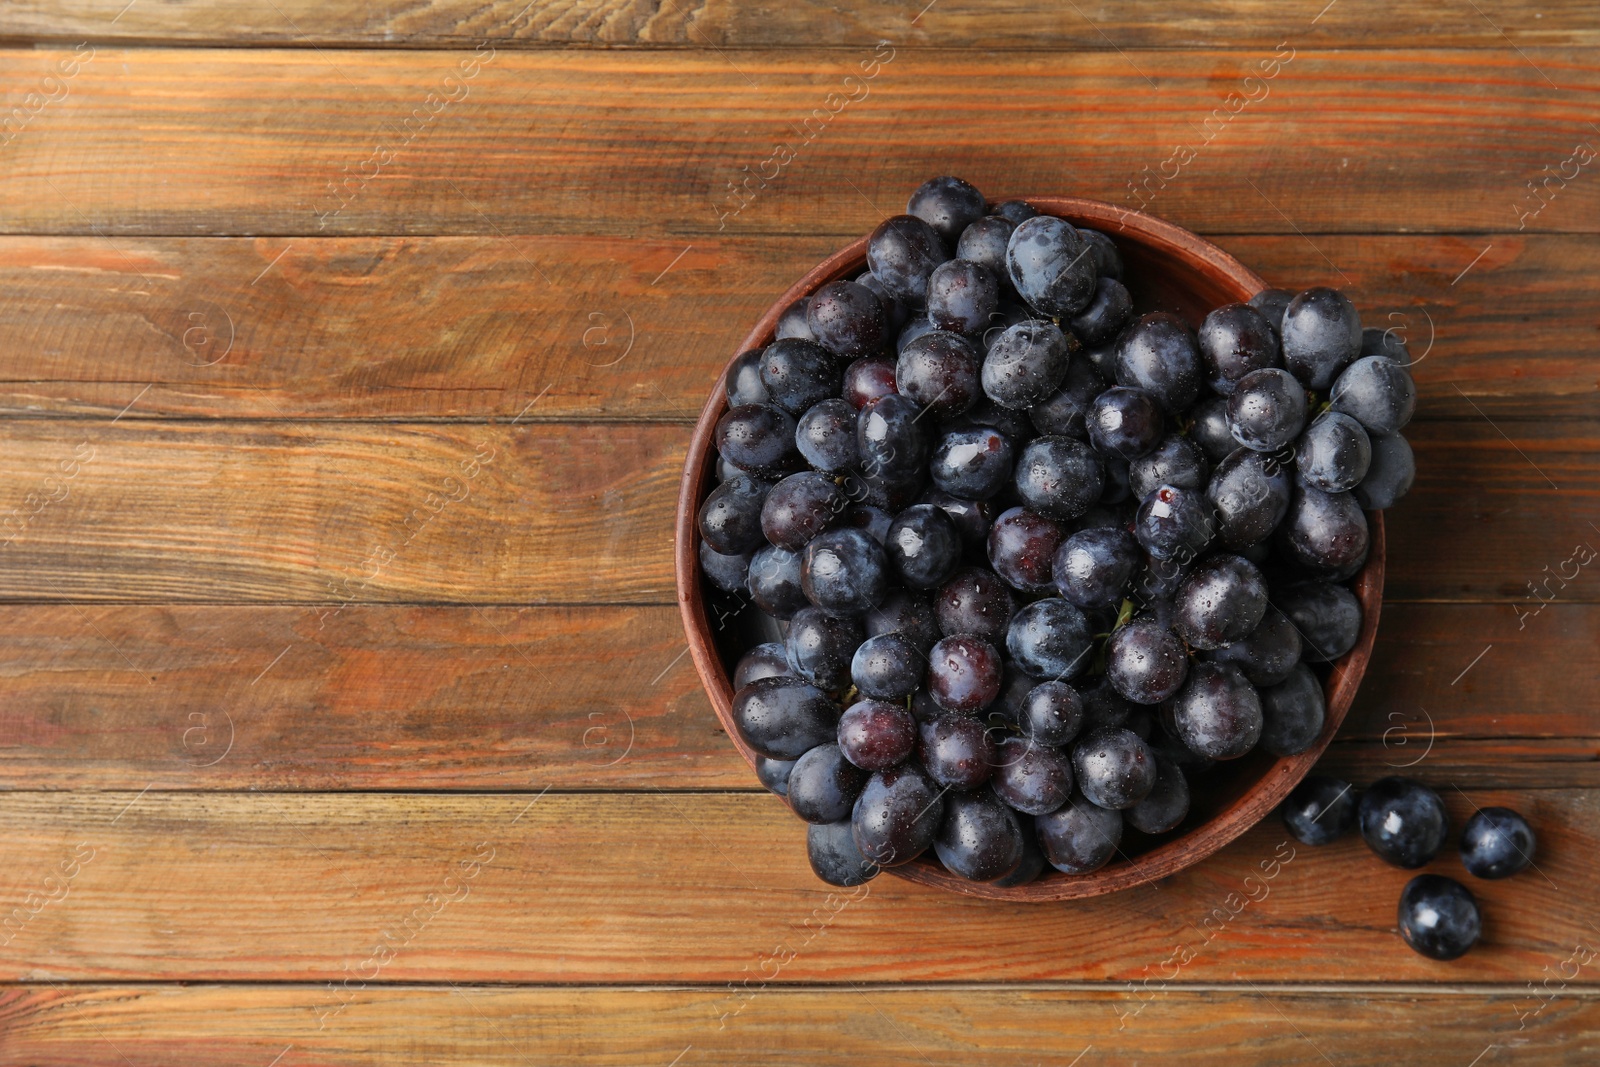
(1168, 269)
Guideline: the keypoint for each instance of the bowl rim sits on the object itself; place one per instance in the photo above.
(1169, 857)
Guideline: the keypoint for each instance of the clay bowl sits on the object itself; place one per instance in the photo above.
(1171, 270)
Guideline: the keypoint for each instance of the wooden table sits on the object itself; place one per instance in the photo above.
(349, 356)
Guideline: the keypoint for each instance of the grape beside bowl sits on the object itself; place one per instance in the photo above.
(1169, 269)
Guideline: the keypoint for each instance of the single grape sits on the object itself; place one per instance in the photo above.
(1031, 777)
(907, 613)
(1234, 340)
(979, 839)
(962, 296)
(1033, 863)
(1217, 713)
(799, 508)
(956, 751)
(1094, 568)
(985, 414)
(1319, 810)
(948, 204)
(1167, 803)
(924, 546)
(1325, 533)
(774, 774)
(917, 327)
(792, 323)
(894, 312)
(868, 378)
(1267, 654)
(1114, 767)
(1377, 392)
(1267, 409)
(1022, 546)
(766, 660)
(1026, 363)
(1272, 303)
(823, 785)
(902, 253)
(1102, 359)
(1376, 342)
(939, 372)
(972, 464)
(964, 673)
(1107, 258)
(799, 373)
(1103, 705)
(1221, 601)
(1251, 492)
(1175, 524)
(1438, 917)
(1052, 267)
(875, 734)
(1050, 639)
(1497, 843)
(1158, 354)
(728, 573)
(888, 667)
(826, 436)
(1059, 477)
(1326, 616)
(1321, 335)
(834, 856)
(743, 382)
(820, 647)
(888, 439)
(1176, 461)
(844, 571)
(1292, 713)
(896, 816)
(1051, 713)
(1210, 428)
(970, 516)
(868, 518)
(758, 439)
(847, 319)
(1334, 453)
(1145, 662)
(1079, 837)
(1106, 314)
(1125, 422)
(984, 241)
(1066, 411)
(975, 601)
(1390, 475)
(784, 718)
(1403, 821)
(1015, 212)
(774, 581)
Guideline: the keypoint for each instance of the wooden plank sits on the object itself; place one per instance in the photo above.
(391, 697)
(143, 142)
(341, 513)
(757, 24)
(645, 888)
(466, 328)
(209, 1024)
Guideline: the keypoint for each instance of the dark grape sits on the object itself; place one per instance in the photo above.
(1031, 777)
(823, 785)
(1106, 314)
(1438, 917)
(1080, 837)
(1403, 821)
(1026, 363)
(1107, 259)
(1251, 492)
(984, 241)
(1292, 713)
(768, 660)
(1334, 453)
(826, 436)
(1377, 392)
(1145, 662)
(907, 613)
(975, 601)
(1015, 212)
(1066, 411)
(743, 383)
(972, 464)
(1125, 422)
(1093, 568)
(1221, 601)
(980, 839)
(1217, 713)
(939, 372)
(1321, 335)
(962, 296)
(902, 253)
(1051, 713)
(1267, 409)
(728, 573)
(1326, 616)
(888, 667)
(792, 323)
(1319, 810)
(924, 546)
(1103, 705)
(868, 518)
(868, 378)
(1051, 266)
(844, 571)
(894, 313)
(917, 327)
(1158, 354)
(1272, 303)
(1390, 475)
(774, 581)
(1325, 533)
(799, 373)
(834, 856)
(1234, 340)
(1210, 428)
(896, 816)
(758, 439)
(970, 516)
(986, 414)
(847, 319)
(784, 718)
(1376, 342)
(875, 734)
(1033, 863)
(1176, 461)
(1175, 524)
(774, 774)
(1497, 843)
(1117, 490)
(956, 751)
(1059, 476)
(964, 673)
(1102, 359)
(1022, 546)
(1113, 767)
(799, 508)
(1268, 653)
(1050, 639)
(1167, 803)
(948, 204)
(820, 647)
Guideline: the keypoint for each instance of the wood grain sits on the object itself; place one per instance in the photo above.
(467, 328)
(332, 513)
(864, 1025)
(1202, 24)
(404, 697)
(145, 142)
(652, 887)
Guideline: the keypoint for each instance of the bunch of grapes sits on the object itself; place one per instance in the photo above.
(1038, 559)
